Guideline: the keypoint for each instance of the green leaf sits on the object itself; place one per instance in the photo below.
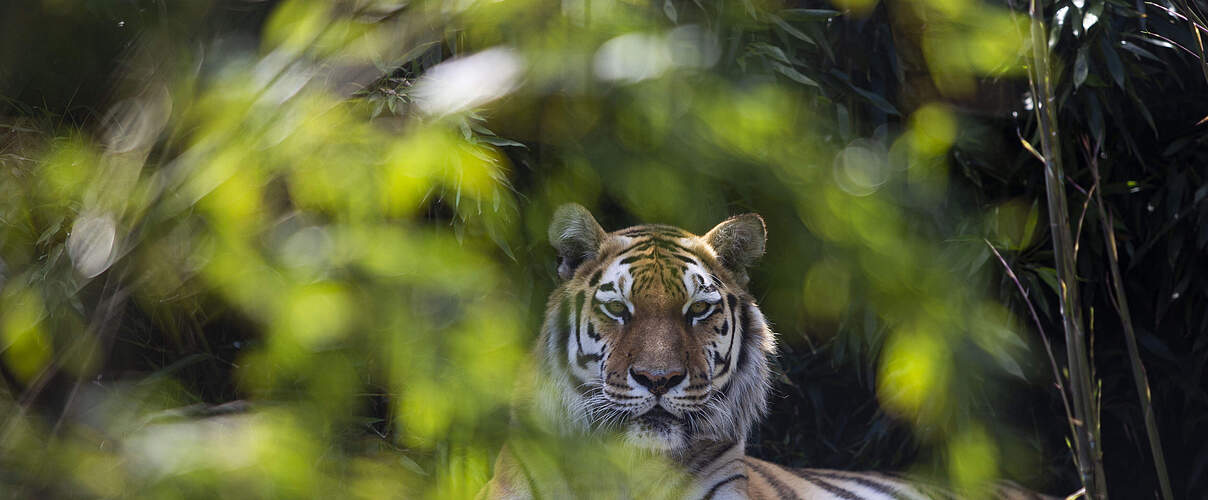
(1141, 106)
(1114, 65)
(877, 100)
(1140, 52)
(1174, 147)
(765, 49)
(1048, 275)
(501, 142)
(50, 231)
(817, 31)
(1058, 23)
(411, 54)
(809, 13)
(1029, 228)
(792, 30)
(1059, 18)
(1091, 16)
(669, 10)
(1081, 68)
(411, 465)
(1008, 364)
(794, 75)
(1075, 18)
(843, 121)
(480, 128)
(1156, 346)
(1094, 119)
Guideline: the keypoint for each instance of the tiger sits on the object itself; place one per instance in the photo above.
(653, 330)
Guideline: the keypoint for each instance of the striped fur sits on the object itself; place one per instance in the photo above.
(768, 480)
(652, 335)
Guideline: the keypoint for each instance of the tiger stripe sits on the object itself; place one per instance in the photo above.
(881, 488)
(729, 479)
(771, 481)
(769, 478)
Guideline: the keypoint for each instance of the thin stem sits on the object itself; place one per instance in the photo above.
(1048, 347)
(1121, 303)
(1195, 20)
(1086, 422)
(1081, 218)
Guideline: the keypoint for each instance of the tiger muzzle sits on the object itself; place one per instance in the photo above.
(657, 381)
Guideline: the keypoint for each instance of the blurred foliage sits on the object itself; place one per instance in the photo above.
(335, 212)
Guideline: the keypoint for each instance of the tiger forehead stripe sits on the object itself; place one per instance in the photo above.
(657, 243)
(659, 248)
(657, 260)
(655, 230)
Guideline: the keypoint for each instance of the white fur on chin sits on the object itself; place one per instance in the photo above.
(654, 440)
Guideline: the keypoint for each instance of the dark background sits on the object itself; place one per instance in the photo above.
(1142, 99)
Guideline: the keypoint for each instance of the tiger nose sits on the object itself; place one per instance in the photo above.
(657, 381)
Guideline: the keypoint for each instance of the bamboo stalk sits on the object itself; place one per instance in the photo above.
(1087, 446)
(1130, 336)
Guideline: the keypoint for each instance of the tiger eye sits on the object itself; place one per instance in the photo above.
(616, 307)
(698, 307)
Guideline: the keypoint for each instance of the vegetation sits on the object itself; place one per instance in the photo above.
(297, 248)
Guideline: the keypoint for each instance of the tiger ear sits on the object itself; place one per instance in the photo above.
(738, 242)
(576, 236)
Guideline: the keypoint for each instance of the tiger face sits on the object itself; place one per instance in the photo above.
(652, 332)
